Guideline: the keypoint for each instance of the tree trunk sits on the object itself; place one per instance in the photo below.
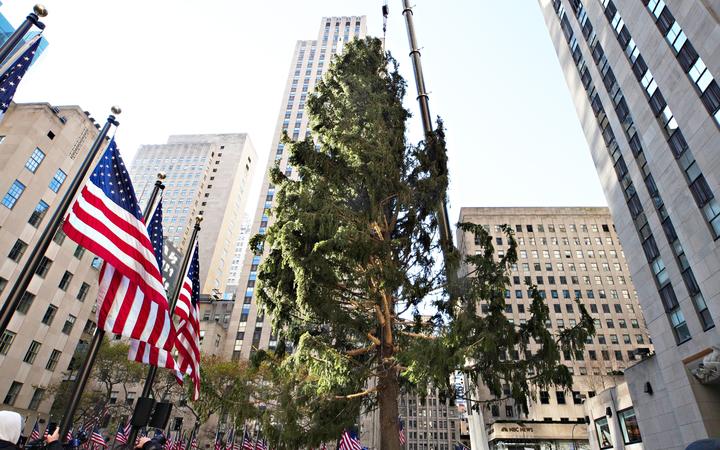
(388, 393)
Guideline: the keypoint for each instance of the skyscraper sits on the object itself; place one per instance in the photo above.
(249, 330)
(207, 174)
(41, 150)
(643, 77)
(568, 253)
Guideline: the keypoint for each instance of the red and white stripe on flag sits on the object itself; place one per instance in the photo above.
(187, 342)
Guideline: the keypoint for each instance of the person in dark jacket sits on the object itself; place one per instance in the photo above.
(10, 428)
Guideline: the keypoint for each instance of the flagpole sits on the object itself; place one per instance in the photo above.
(152, 370)
(36, 255)
(32, 19)
(89, 362)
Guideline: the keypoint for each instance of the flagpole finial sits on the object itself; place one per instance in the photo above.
(40, 10)
(115, 109)
(198, 219)
(161, 175)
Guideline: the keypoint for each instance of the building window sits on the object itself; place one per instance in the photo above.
(603, 433)
(12, 393)
(58, 180)
(560, 396)
(629, 426)
(82, 293)
(36, 399)
(25, 302)
(17, 251)
(43, 267)
(32, 352)
(59, 237)
(38, 214)
(69, 324)
(65, 280)
(6, 342)
(13, 194)
(79, 252)
(544, 397)
(34, 160)
(49, 315)
(53, 360)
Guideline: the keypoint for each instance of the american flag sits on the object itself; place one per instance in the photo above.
(260, 444)
(107, 220)
(170, 443)
(218, 442)
(349, 441)
(194, 443)
(247, 443)
(230, 440)
(188, 331)
(123, 433)
(69, 436)
(401, 431)
(96, 438)
(10, 79)
(140, 351)
(35, 435)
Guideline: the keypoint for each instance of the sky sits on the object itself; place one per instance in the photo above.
(220, 66)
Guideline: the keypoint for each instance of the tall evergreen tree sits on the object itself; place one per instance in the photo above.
(352, 260)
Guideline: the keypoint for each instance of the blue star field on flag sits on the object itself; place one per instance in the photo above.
(194, 275)
(112, 177)
(155, 231)
(11, 78)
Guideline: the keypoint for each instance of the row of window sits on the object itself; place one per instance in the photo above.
(14, 391)
(657, 266)
(562, 228)
(569, 307)
(555, 241)
(8, 337)
(688, 58)
(17, 188)
(683, 156)
(562, 279)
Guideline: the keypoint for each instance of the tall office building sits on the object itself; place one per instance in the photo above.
(41, 149)
(568, 253)
(429, 423)
(249, 330)
(643, 78)
(208, 174)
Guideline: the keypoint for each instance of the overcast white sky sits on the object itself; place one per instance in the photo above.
(217, 66)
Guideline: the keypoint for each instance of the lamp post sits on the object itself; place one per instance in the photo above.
(32, 19)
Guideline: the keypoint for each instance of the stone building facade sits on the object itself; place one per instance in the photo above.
(41, 149)
(643, 76)
(569, 254)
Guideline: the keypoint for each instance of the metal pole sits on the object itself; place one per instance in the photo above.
(424, 101)
(86, 368)
(152, 370)
(26, 274)
(32, 19)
